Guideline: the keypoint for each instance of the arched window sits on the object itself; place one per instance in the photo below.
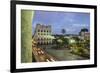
(38, 30)
(41, 30)
(38, 39)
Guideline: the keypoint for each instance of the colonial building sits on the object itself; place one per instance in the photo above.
(43, 34)
(84, 34)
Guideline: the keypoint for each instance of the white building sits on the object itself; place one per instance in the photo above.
(43, 34)
(85, 35)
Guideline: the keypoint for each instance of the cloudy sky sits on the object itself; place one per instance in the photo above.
(72, 22)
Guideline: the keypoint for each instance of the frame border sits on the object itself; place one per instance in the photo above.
(13, 35)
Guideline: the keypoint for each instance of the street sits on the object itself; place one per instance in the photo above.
(41, 56)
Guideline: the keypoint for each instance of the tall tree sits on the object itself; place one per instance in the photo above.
(63, 31)
(84, 30)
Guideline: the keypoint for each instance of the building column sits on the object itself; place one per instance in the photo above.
(26, 36)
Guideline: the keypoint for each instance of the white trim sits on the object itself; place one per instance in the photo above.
(51, 64)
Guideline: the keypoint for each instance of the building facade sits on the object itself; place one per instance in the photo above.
(43, 34)
(85, 35)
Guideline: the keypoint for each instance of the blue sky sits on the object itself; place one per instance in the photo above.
(72, 22)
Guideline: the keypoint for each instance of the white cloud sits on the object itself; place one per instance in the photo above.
(80, 25)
